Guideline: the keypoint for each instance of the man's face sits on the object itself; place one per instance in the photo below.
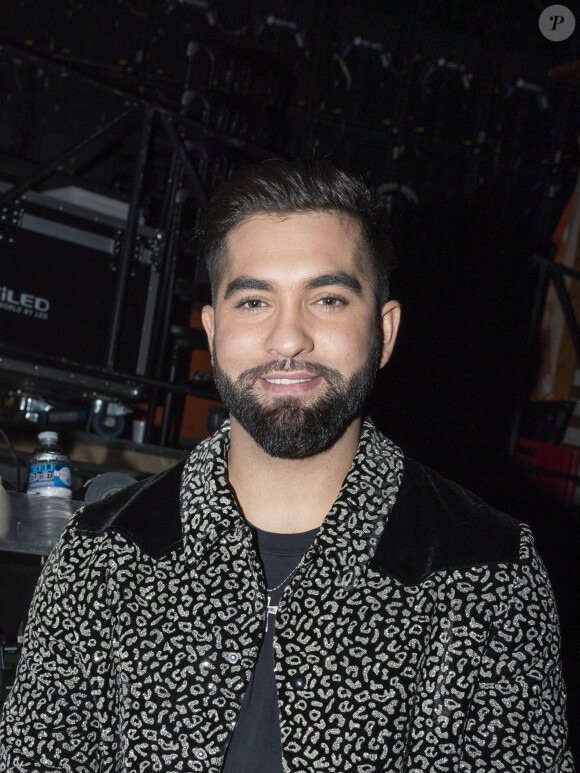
(295, 337)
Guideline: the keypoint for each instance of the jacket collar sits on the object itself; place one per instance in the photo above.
(357, 518)
(192, 504)
(410, 525)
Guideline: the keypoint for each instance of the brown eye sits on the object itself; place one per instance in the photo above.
(331, 302)
(251, 304)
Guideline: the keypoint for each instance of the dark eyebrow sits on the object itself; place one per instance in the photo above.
(340, 278)
(242, 283)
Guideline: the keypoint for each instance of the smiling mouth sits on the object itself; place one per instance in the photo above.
(288, 380)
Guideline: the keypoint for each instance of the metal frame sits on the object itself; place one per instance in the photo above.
(557, 272)
(181, 169)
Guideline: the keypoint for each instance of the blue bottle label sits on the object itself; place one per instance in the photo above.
(49, 475)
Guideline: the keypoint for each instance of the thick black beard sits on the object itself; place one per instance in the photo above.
(287, 429)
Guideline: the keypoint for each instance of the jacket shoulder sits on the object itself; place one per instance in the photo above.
(148, 513)
(436, 525)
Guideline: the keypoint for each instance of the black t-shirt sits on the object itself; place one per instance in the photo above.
(256, 746)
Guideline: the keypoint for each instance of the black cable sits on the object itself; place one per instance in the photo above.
(14, 457)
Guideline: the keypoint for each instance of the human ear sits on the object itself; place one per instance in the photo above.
(389, 327)
(208, 322)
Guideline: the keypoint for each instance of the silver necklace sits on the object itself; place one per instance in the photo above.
(272, 609)
(271, 590)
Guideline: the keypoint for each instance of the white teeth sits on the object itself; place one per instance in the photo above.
(287, 380)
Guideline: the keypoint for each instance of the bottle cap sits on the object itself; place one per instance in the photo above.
(48, 436)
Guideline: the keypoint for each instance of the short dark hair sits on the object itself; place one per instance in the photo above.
(279, 187)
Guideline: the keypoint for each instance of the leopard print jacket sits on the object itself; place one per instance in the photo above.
(419, 634)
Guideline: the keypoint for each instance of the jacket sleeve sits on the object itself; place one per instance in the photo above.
(517, 718)
(49, 722)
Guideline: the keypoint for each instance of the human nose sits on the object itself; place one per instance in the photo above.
(288, 335)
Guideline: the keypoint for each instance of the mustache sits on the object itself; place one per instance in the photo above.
(291, 364)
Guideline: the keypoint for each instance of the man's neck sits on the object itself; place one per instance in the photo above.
(288, 495)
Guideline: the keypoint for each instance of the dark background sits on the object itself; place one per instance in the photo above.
(444, 106)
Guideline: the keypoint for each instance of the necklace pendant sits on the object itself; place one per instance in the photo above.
(271, 610)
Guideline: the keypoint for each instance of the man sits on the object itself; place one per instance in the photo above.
(295, 596)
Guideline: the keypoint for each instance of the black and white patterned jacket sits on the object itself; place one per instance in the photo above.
(418, 635)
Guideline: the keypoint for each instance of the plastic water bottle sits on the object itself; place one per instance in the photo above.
(49, 468)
